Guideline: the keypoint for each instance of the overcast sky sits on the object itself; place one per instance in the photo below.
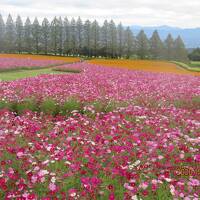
(179, 13)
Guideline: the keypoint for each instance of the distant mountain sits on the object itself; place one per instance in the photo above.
(191, 36)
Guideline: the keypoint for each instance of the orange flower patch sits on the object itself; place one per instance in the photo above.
(41, 57)
(144, 65)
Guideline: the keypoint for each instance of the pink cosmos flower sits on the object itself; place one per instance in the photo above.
(72, 192)
(20, 154)
(197, 157)
(52, 187)
(194, 182)
(111, 196)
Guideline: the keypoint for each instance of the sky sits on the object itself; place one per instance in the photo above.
(177, 13)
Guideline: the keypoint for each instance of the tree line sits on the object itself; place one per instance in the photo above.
(195, 54)
(78, 38)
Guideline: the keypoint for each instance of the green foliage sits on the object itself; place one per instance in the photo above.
(180, 52)
(70, 105)
(20, 107)
(10, 34)
(2, 33)
(19, 33)
(193, 103)
(28, 44)
(196, 102)
(70, 182)
(195, 55)
(36, 34)
(169, 47)
(179, 103)
(64, 37)
(69, 70)
(41, 189)
(196, 99)
(162, 193)
(45, 35)
(156, 46)
(12, 106)
(49, 106)
(105, 107)
(119, 189)
(28, 104)
(110, 106)
(3, 104)
(142, 45)
(195, 64)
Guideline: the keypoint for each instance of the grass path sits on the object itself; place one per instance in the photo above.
(188, 67)
(13, 75)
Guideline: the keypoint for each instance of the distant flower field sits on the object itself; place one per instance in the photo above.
(16, 63)
(146, 65)
(101, 133)
(11, 61)
(40, 57)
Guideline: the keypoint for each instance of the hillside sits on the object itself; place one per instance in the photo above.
(189, 35)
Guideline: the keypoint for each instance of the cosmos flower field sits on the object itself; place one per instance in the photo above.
(103, 133)
(13, 62)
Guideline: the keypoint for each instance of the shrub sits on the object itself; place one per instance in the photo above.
(70, 105)
(12, 106)
(110, 106)
(196, 99)
(69, 70)
(28, 104)
(193, 103)
(196, 102)
(105, 107)
(98, 106)
(3, 104)
(50, 107)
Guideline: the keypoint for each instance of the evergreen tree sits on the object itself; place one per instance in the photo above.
(156, 46)
(129, 42)
(87, 38)
(169, 48)
(45, 35)
(112, 39)
(10, 35)
(2, 34)
(54, 35)
(73, 41)
(76, 38)
(60, 35)
(195, 55)
(79, 34)
(120, 36)
(66, 36)
(104, 38)
(36, 32)
(19, 34)
(142, 44)
(95, 37)
(28, 40)
(180, 52)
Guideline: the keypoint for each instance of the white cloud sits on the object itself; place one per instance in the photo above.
(182, 13)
